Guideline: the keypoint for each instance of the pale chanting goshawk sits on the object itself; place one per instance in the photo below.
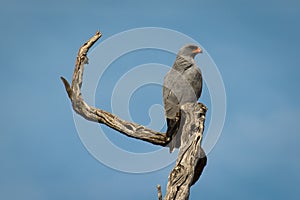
(182, 84)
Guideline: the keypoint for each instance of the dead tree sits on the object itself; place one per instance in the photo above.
(191, 158)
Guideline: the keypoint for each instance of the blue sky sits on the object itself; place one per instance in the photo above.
(255, 45)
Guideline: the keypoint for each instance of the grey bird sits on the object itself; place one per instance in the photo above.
(182, 84)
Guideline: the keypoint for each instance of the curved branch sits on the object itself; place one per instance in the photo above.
(129, 129)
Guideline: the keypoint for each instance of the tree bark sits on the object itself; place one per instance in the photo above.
(97, 115)
(191, 159)
(159, 194)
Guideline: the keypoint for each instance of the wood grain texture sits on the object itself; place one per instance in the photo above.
(191, 158)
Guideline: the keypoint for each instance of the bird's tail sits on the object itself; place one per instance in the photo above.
(172, 133)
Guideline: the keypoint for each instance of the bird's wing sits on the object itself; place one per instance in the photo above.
(173, 89)
(194, 78)
(171, 103)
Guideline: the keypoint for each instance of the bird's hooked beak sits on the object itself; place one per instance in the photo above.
(198, 50)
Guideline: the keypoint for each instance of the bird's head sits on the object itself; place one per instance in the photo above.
(189, 50)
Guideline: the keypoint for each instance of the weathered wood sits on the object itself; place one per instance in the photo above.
(97, 115)
(191, 159)
(159, 194)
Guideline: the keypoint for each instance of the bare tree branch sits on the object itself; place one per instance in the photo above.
(159, 194)
(97, 115)
(191, 159)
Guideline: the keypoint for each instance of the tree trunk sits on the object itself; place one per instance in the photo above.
(191, 158)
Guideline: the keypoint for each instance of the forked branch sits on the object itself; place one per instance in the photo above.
(191, 159)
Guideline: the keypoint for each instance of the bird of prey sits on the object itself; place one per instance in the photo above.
(182, 84)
